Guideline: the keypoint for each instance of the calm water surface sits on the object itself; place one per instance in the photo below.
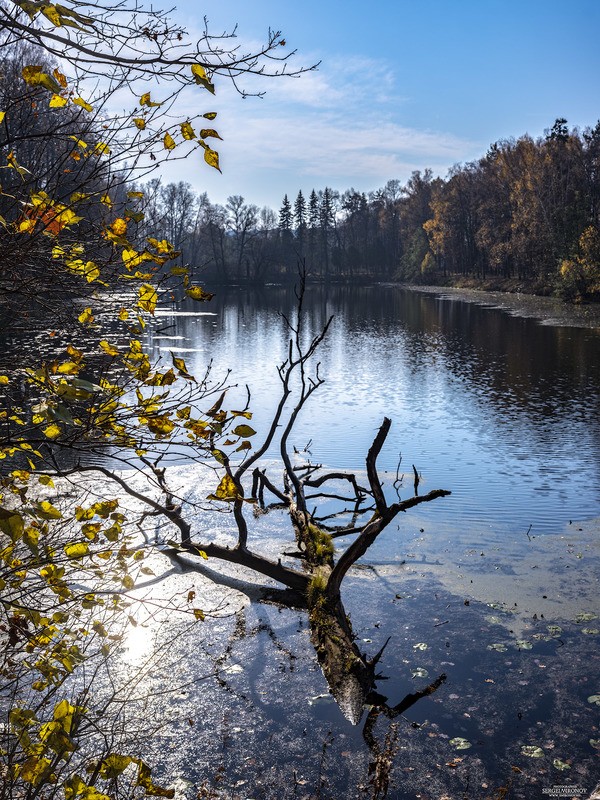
(503, 411)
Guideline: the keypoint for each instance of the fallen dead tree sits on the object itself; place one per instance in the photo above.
(315, 581)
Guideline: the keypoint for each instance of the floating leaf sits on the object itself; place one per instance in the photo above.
(531, 751)
(554, 630)
(585, 616)
(594, 699)
(590, 631)
(561, 765)
(420, 646)
(500, 648)
(523, 644)
(419, 672)
(459, 743)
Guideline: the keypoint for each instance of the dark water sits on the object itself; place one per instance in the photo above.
(503, 411)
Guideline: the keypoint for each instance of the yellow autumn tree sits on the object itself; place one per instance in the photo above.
(75, 271)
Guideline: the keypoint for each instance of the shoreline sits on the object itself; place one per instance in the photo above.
(547, 310)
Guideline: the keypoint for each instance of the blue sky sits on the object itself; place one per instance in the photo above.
(402, 85)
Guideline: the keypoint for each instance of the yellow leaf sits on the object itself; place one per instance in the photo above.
(60, 77)
(76, 550)
(79, 101)
(201, 77)
(4, 380)
(46, 510)
(210, 115)
(27, 225)
(33, 76)
(51, 13)
(135, 195)
(198, 293)
(2, 115)
(123, 314)
(106, 201)
(179, 364)
(140, 123)
(56, 101)
(212, 158)
(209, 132)
(187, 131)
(146, 101)
(102, 149)
(69, 368)
(119, 227)
(86, 317)
(169, 142)
(52, 431)
(226, 490)
(147, 298)
(161, 426)
(108, 348)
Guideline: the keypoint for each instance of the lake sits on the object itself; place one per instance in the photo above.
(496, 586)
(503, 411)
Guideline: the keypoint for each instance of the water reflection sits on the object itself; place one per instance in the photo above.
(501, 410)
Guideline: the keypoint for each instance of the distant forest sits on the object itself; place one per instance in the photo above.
(525, 216)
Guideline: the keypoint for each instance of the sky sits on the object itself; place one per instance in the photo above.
(401, 85)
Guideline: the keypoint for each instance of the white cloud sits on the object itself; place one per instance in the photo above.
(339, 126)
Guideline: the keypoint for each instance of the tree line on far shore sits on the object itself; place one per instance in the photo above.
(525, 214)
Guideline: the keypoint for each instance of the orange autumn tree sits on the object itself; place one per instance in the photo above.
(74, 264)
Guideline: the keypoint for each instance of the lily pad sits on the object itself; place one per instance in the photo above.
(554, 630)
(532, 751)
(523, 644)
(460, 744)
(590, 631)
(561, 765)
(585, 616)
(595, 699)
(595, 743)
(500, 648)
(419, 672)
